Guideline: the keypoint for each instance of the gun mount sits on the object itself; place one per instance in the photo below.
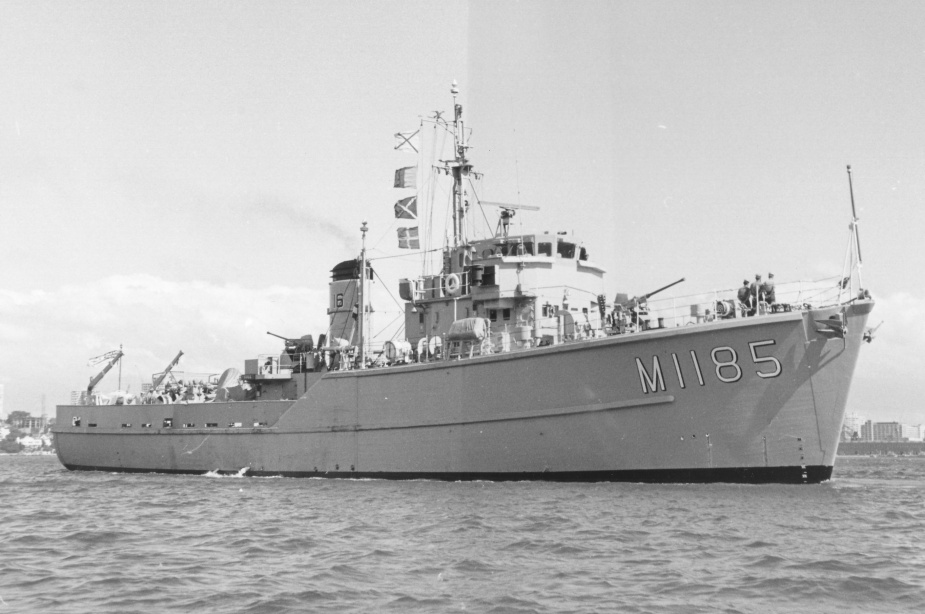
(299, 351)
(635, 311)
(301, 345)
(640, 301)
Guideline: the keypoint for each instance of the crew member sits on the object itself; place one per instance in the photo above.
(743, 293)
(754, 295)
(767, 290)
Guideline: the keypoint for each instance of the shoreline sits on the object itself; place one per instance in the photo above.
(30, 453)
(881, 448)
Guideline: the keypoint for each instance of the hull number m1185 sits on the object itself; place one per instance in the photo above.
(725, 362)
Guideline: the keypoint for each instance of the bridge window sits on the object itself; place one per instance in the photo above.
(506, 314)
(545, 249)
(493, 315)
(488, 276)
(582, 254)
(565, 250)
(517, 249)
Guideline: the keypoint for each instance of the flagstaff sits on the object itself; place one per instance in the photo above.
(854, 217)
(854, 228)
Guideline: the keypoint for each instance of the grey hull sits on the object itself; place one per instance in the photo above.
(750, 400)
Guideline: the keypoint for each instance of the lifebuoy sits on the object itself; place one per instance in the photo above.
(453, 285)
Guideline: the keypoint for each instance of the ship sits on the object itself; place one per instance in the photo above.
(514, 365)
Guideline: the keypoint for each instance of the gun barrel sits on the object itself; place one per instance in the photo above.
(654, 292)
(278, 336)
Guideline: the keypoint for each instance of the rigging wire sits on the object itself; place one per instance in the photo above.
(386, 288)
(395, 300)
(428, 187)
(426, 269)
(436, 249)
(386, 327)
(481, 208)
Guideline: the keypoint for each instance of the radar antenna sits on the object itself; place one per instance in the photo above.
(507, 212)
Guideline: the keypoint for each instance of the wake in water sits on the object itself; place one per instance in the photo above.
(215, 473)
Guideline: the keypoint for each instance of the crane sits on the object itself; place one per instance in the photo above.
(160, 378)
(113, 358)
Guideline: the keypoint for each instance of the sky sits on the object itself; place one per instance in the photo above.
(183, 176)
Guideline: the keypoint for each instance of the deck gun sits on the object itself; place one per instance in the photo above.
(640, 301)
(298, 350)
(296, 346)
(636, 306)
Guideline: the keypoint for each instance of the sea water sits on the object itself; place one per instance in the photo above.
(104, 542)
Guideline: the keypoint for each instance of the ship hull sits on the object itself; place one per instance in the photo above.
(754, 400)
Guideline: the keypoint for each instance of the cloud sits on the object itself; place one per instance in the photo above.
(47, 336)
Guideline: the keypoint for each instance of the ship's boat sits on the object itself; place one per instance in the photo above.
(514, 366)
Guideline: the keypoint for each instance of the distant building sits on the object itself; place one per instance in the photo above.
(888, 431)
(31, 423)
(851, 430)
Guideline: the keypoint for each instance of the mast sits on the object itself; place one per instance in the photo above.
(854, 218)
(362, 289)
(461, 168)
